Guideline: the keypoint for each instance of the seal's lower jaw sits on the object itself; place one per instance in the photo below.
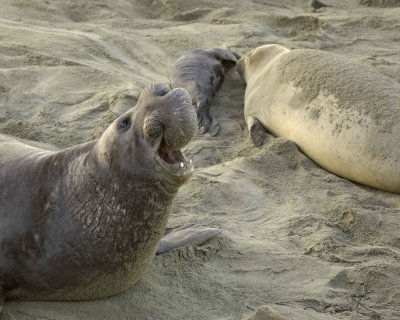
(174, 162)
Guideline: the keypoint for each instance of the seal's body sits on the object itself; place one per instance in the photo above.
(202, 72)
(343, 115)
(84, 222)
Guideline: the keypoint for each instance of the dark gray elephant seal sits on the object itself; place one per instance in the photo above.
(202, 72)
(84, 222)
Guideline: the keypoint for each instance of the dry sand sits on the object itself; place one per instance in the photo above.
(297, 241)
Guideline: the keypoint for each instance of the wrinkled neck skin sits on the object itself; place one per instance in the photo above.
(112, 206)
(104, 210)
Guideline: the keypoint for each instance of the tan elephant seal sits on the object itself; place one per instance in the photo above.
(344, 116)
(84, 222)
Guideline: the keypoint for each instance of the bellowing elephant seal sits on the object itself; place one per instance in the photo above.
(202, 72)
(84, 222)
(344, 116)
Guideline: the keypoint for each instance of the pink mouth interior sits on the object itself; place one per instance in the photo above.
(166, 154)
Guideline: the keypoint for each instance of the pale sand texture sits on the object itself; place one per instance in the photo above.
(297, 239)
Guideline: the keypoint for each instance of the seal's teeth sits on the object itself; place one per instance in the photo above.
(182, 165)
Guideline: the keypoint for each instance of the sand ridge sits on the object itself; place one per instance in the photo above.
(302, 242)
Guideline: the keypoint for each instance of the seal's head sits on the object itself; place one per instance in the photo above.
(146, 140)
(228, 58)
(258, 58)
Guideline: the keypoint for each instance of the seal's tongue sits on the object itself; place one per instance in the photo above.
(166, 154)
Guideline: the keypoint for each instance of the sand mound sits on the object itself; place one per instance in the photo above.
(381, 3)
(300, 24)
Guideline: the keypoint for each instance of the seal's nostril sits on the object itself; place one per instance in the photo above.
(161, 89)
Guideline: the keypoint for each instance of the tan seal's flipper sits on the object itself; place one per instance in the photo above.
(257, 132)
(183, 236)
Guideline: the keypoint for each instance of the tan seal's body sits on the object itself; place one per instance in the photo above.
(344, 116)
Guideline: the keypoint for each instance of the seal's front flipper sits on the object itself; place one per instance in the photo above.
(206, 123)
(257, 131)
(214, 127)
(182, 236)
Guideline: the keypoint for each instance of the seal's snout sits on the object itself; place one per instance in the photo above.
(181, 123)
(169, 124)
(160, 89)
(171, 115)
(181, 96)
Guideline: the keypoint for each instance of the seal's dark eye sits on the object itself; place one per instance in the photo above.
(124, 124)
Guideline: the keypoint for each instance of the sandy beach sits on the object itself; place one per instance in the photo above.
(298, 242)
